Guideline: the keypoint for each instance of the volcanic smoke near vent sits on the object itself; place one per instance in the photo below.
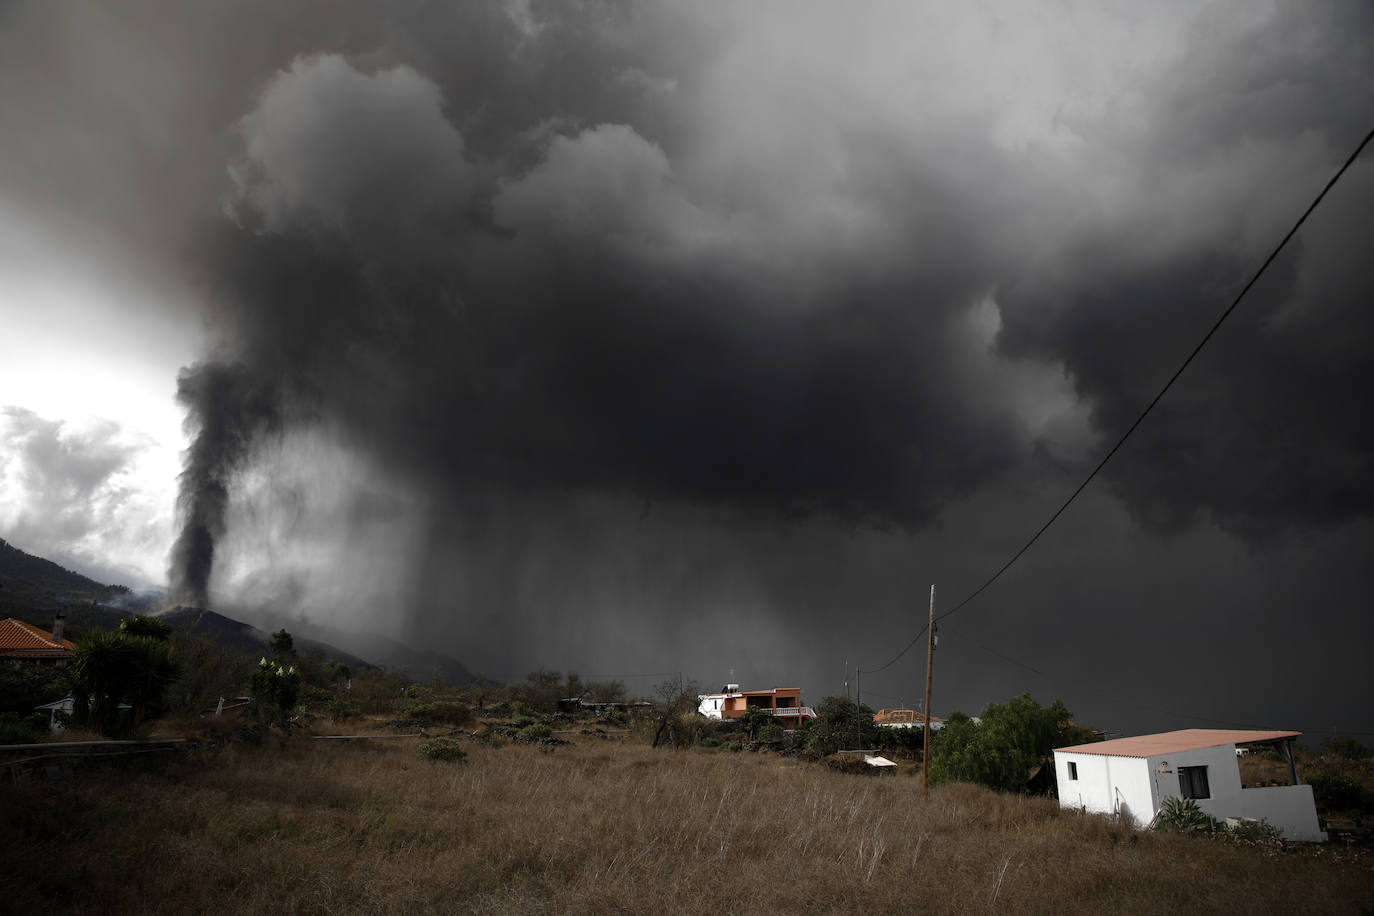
(226, 410)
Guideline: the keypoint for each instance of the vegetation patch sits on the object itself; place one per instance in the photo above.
(446, 749)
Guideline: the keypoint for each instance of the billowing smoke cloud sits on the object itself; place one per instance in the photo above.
(227, 410)
(67, 492)
(652, 321)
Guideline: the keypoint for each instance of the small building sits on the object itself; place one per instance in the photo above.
(23, 642)
(731, 702)
(1134, 776)
(906, 718)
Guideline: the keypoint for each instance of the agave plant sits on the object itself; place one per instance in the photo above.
(1184, 815)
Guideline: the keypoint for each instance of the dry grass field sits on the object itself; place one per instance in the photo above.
(602, 826)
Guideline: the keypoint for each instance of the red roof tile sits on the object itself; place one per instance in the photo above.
(22, 640)
(1188, 739)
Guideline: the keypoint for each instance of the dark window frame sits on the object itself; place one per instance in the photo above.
(1073, 770)
(1192, 782)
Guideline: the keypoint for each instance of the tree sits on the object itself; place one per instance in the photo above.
(283, 645)
(143, 625)
(112, 668)
(841, 723)
(673, 699)
(276, 687)
(754, 720)
(542, 690)
(1013, 738)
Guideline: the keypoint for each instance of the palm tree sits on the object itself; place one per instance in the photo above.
(109, 668)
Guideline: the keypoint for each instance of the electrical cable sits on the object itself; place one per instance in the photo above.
(1148, 407)
(1170, 383)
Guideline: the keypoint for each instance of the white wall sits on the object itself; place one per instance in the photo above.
(1291, 809)
(711, 704)
(1138, 786)
(1106, 785)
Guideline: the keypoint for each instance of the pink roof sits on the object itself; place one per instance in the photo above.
(1188, 739)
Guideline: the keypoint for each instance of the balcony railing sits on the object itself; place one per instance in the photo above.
(806, 712)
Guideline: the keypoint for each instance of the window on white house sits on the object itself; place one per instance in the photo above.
(1073, 770)
(1192, 782)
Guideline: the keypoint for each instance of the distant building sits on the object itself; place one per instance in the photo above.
(905, 718)
(1134, 776)
(22, 642)
(731, 702)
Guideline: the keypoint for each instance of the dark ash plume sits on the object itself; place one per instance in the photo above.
(227, 410)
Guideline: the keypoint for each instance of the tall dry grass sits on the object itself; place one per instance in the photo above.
(367, 827)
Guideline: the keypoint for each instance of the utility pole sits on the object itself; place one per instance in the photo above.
(930, 670)
(858, 701)
(846, 682)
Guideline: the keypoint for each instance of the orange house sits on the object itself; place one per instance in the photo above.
(731, 702)
(23, 642)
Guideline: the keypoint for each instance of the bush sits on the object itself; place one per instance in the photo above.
(1260, 834)
(443, 749)
(1345, 747)
(276, 689)
(1182, 815)
(340, 709)
(1334, 791)
(499, 708)
(523, 721)
(1013, 738)
(17, 729)
(445, 711)
(536, 732)
(772, 733)
(847, 763)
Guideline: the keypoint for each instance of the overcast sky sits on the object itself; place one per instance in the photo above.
(645, 337)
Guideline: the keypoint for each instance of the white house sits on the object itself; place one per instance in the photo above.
(1133, 776)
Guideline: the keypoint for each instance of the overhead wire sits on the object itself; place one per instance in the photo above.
(1148, 407)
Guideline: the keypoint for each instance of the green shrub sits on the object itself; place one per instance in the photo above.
(499, 708)
(772, 733)
(276, 688)
(733, 746)
(445, 749)
(340, 709)
(1345, 747)
(847, 763)
(1182, 815)
(536, 732)
(523, 721)
(1260, 834)
(1334, 791)
(17, 729)
(445, 711)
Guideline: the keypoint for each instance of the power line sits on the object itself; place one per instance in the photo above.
(1173, 378)
(1150, 406)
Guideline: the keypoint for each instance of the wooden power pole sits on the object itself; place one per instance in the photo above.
(930, 670)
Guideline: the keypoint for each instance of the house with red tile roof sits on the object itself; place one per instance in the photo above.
(23, 642)
(1134, 776)
(906, 718)
(730, 703)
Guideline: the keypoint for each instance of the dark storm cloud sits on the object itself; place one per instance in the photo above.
(1266, 430)
(591, 298)
(598, 327)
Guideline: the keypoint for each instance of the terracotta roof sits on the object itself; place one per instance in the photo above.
(1188, 739)
(22, 640)
(901, 717)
